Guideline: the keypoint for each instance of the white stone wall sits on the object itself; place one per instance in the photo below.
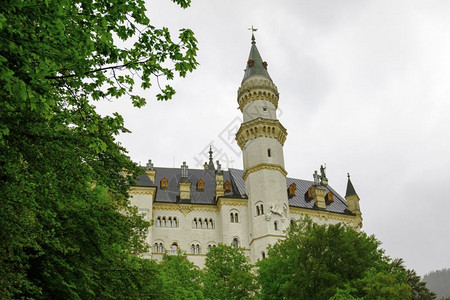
(259, 109)
(256, 152)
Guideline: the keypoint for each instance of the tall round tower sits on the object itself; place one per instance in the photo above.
(261, 138)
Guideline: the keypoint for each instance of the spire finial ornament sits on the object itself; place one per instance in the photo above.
(211, 162)
(253, 29)
(348, 175)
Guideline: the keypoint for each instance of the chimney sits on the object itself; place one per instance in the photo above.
(184, 185)
(150, 171)
(219, 181)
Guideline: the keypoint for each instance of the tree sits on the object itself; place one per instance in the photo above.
(323, 261)
(180, 279)
(228, 274)
(64, 213)
(439, 282)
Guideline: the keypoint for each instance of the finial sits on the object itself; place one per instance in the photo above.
(253, 35)
(211, 162)
(184, 170)
(149, 165)
(219, 168)
(348, 175)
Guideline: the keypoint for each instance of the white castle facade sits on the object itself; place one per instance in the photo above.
(193, 210)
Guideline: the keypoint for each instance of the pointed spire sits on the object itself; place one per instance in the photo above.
(255, 64)
(350, 189)
(211, 163)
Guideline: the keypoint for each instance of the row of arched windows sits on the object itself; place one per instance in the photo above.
(205, 223)
(159, 247)
(167, 222)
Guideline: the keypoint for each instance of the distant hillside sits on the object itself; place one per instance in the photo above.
(439, 282)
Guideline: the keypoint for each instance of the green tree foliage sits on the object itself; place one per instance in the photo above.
(228, 274)
(320, 262)
(439, 282)
(180, 279)
(66, 228)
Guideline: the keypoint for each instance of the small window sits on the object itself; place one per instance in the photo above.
(158, 222)
(268, 152)
(174, 247)
(163, 222)
(236, 218)
(200, 185)
(227, 186)
(309, 194)
(231, 217)
(170, 222)
(164, 183)
(329, 197)
(257, 210)
(291, 190)
(261, 208)
(263, 255)
(264, 109)
(235, 243)
(275, 225)
(175, 223)
(194, 223)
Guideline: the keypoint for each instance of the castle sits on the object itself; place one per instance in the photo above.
(194, 210)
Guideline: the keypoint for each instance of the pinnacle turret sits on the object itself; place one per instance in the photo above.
(350, 189)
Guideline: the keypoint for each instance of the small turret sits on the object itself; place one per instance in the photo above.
(352, 199)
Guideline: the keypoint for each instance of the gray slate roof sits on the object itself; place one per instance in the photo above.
(257, 68)
(173, 175)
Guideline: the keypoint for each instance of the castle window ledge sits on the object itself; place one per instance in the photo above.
(175, 252)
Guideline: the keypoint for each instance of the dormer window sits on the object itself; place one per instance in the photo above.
(250, 63)
(200, 185)
(309, 194)
(164, 183)
(227, 186)
(264, 65)
(329, 198)
(291, 190)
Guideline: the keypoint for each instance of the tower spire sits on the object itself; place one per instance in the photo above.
(211, 163)
(350, 189)
(255, 64)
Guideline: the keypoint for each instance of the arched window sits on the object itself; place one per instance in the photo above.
(258, 212)
(235, 243)
(163, 222)
(197, 249)
(175, 223)
(200, 185)
(206, 223)
(164, 183)
(192, 248)
(211, 224)
(261, 209)
(158, 222)
(209, 248)
(263, 255)
(194, 223)
(292, 222)
(156, 248)
(236, 218)
(199, 223)
(161, 247)
(268, 152)
(227, 186)
(232, 217)
(275, 225)
(170, 222)
(174, 247)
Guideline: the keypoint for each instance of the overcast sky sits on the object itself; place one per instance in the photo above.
(364, 87)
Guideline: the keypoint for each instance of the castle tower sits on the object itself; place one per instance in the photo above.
(261, 138)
